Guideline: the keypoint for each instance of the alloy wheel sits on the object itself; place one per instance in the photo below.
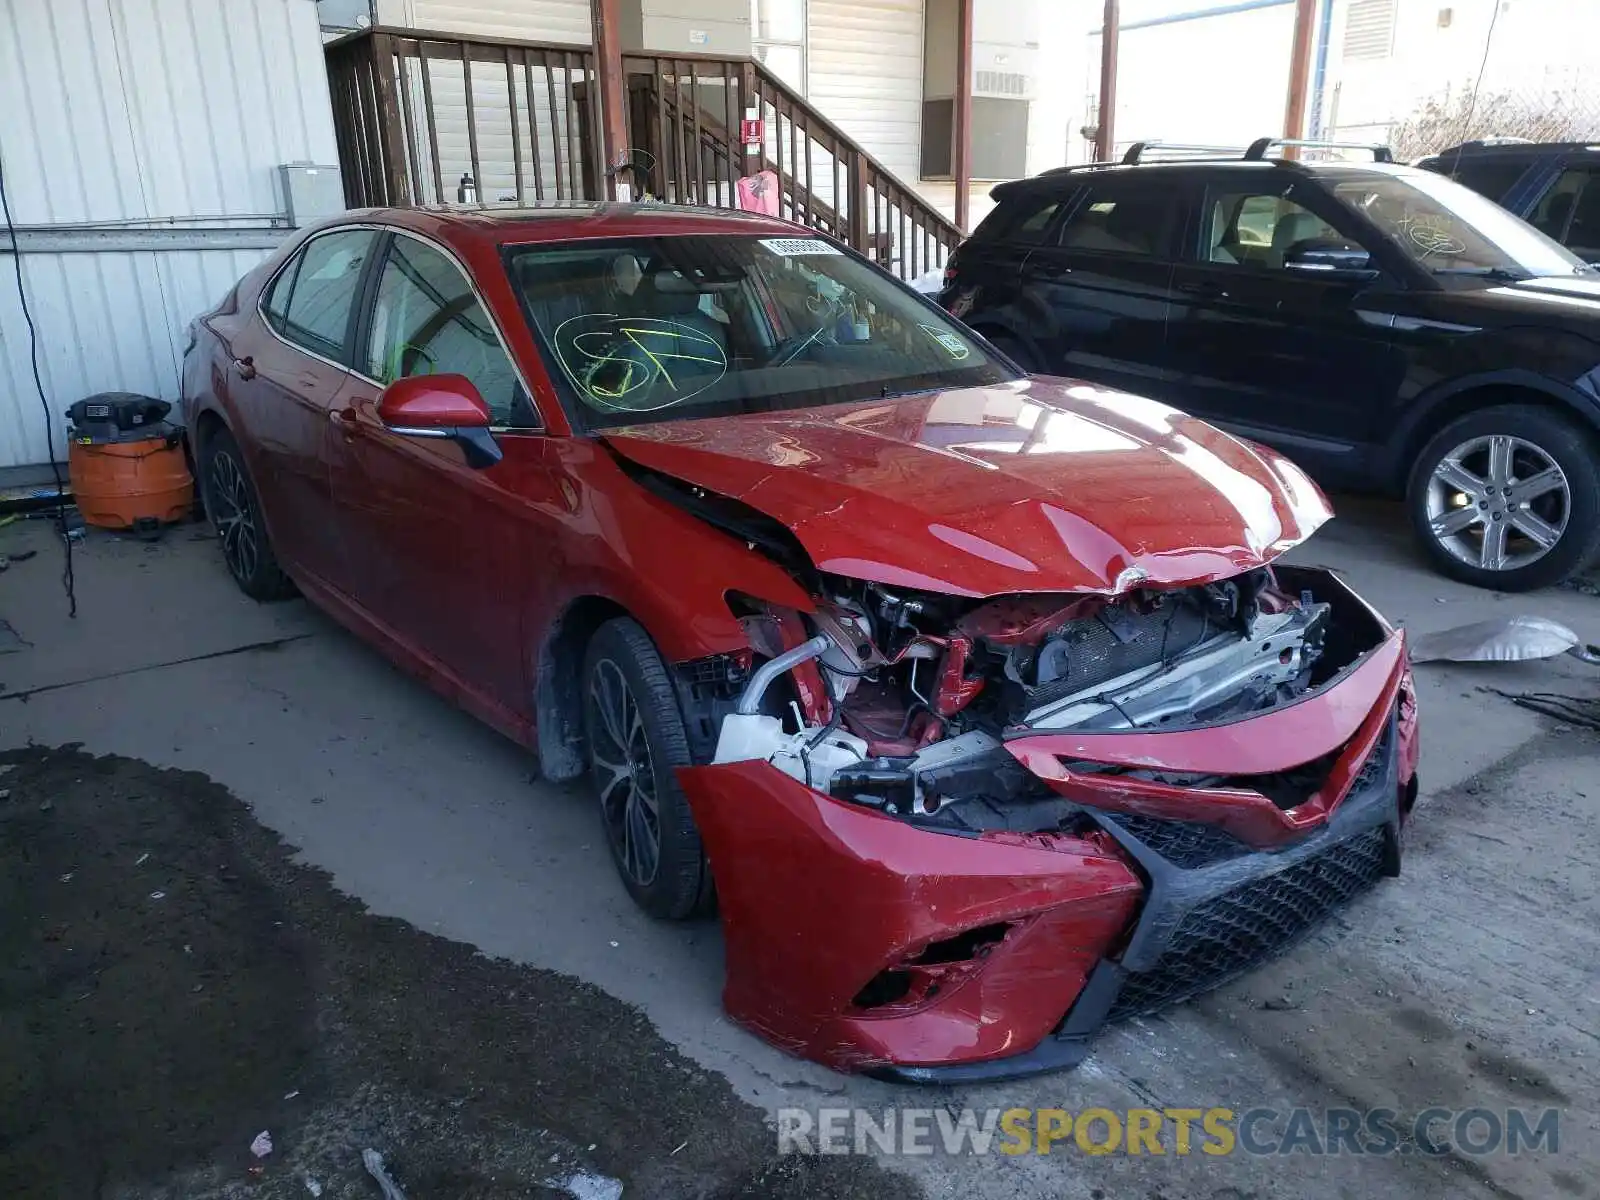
(624, 773)
(234, 516)
(1498, 502)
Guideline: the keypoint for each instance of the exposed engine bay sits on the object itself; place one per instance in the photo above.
(902, 700)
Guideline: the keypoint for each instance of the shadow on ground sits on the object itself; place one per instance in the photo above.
(172, 984)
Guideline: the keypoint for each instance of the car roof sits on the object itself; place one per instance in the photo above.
(1515, 149)
(1077, 175)
(499, 225)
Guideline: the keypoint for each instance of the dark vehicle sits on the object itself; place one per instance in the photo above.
(1388, 328)
(1554, 186)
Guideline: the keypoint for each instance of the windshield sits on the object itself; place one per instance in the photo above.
(650, 329)
(1450, 229)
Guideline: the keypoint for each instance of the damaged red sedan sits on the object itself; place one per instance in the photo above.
(977, 704)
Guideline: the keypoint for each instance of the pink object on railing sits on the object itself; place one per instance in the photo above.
(759, 193)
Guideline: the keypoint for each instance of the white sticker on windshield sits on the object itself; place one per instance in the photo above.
(798, 247)
(954, 346)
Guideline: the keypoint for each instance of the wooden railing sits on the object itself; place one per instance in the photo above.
(423, 117)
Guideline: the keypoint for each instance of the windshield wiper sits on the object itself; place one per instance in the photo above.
(1502, 274)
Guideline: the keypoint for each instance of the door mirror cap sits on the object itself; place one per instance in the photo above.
(442, 406)
(1338, 260)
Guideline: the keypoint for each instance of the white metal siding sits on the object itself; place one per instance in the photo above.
(121, 113)
(864, 72)
(530, 20)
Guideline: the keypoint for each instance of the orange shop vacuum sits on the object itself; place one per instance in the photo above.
(126, 463)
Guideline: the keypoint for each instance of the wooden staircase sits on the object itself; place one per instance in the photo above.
(417, 111)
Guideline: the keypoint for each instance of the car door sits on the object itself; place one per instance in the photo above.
(1101, 285)
(288, 373)
(1276, 325)
(448, 558)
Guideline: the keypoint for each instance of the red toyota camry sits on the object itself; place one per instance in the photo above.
(977, 704)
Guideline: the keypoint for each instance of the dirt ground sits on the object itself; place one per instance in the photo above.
(172, 984)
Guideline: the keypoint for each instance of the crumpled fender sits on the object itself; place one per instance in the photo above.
(1351, 713)
(818, 896)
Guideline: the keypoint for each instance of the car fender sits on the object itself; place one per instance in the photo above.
(1579, 397)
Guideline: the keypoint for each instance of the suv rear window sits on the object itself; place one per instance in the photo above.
(1024, 220)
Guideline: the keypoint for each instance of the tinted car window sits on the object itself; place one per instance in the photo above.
(1123, 219)
(327, 274)
(647, 329)
(1570, 212)
(427, 321)
(1024, 220)
(1257, 229)
(1488, 177)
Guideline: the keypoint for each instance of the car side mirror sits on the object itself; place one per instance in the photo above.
(1331, 259)
(442, 406)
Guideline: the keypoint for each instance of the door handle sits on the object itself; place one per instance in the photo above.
(345, 418)
(246, 367)
(1206, 288)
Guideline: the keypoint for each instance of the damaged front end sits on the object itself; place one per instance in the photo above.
(953, 836)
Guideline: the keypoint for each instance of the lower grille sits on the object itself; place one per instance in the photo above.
(1186, 844)
(1229, 934)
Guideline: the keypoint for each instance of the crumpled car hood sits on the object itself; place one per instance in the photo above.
(1038, 485)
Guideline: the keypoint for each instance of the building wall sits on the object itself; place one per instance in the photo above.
(120, 115)
(535, 20)
(865, 74)
(1186, 73)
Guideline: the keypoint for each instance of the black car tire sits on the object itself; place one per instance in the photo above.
(645, 713)
(1542, 433)
(234, 508)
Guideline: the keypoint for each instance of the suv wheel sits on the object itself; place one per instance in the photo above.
(1507, 498)
(634, 730)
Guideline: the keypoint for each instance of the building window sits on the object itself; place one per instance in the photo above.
(1369, 29)
(778, 39)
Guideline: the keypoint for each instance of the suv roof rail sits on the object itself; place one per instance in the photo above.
(1136, 152)
(1258, 148)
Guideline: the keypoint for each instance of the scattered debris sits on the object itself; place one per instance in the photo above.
(291, 1095)
(1279, 1004)
(261, 1146)
(158, 895)
(1505, 639)
(67, 878)
(142, 859)
(373, 1161)
(313, 1186)
(5, 793)
(592, 1187)
(1571, 710)
(681, 1146)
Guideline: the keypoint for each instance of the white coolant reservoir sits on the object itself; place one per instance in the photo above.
(746, 736)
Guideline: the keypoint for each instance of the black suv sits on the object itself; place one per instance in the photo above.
(1554, 186)
(1388, 328)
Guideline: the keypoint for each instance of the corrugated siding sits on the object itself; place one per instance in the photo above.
(122, 111)
(108, 322)
(865, 74)
(532, 20)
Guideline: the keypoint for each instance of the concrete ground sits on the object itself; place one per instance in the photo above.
(1473, 980)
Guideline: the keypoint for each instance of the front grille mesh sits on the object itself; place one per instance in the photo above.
(1229, 934)
(1186, 844)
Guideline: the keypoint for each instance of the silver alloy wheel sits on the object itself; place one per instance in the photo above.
(233, 517)
(625, 773)
(1498, 502)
